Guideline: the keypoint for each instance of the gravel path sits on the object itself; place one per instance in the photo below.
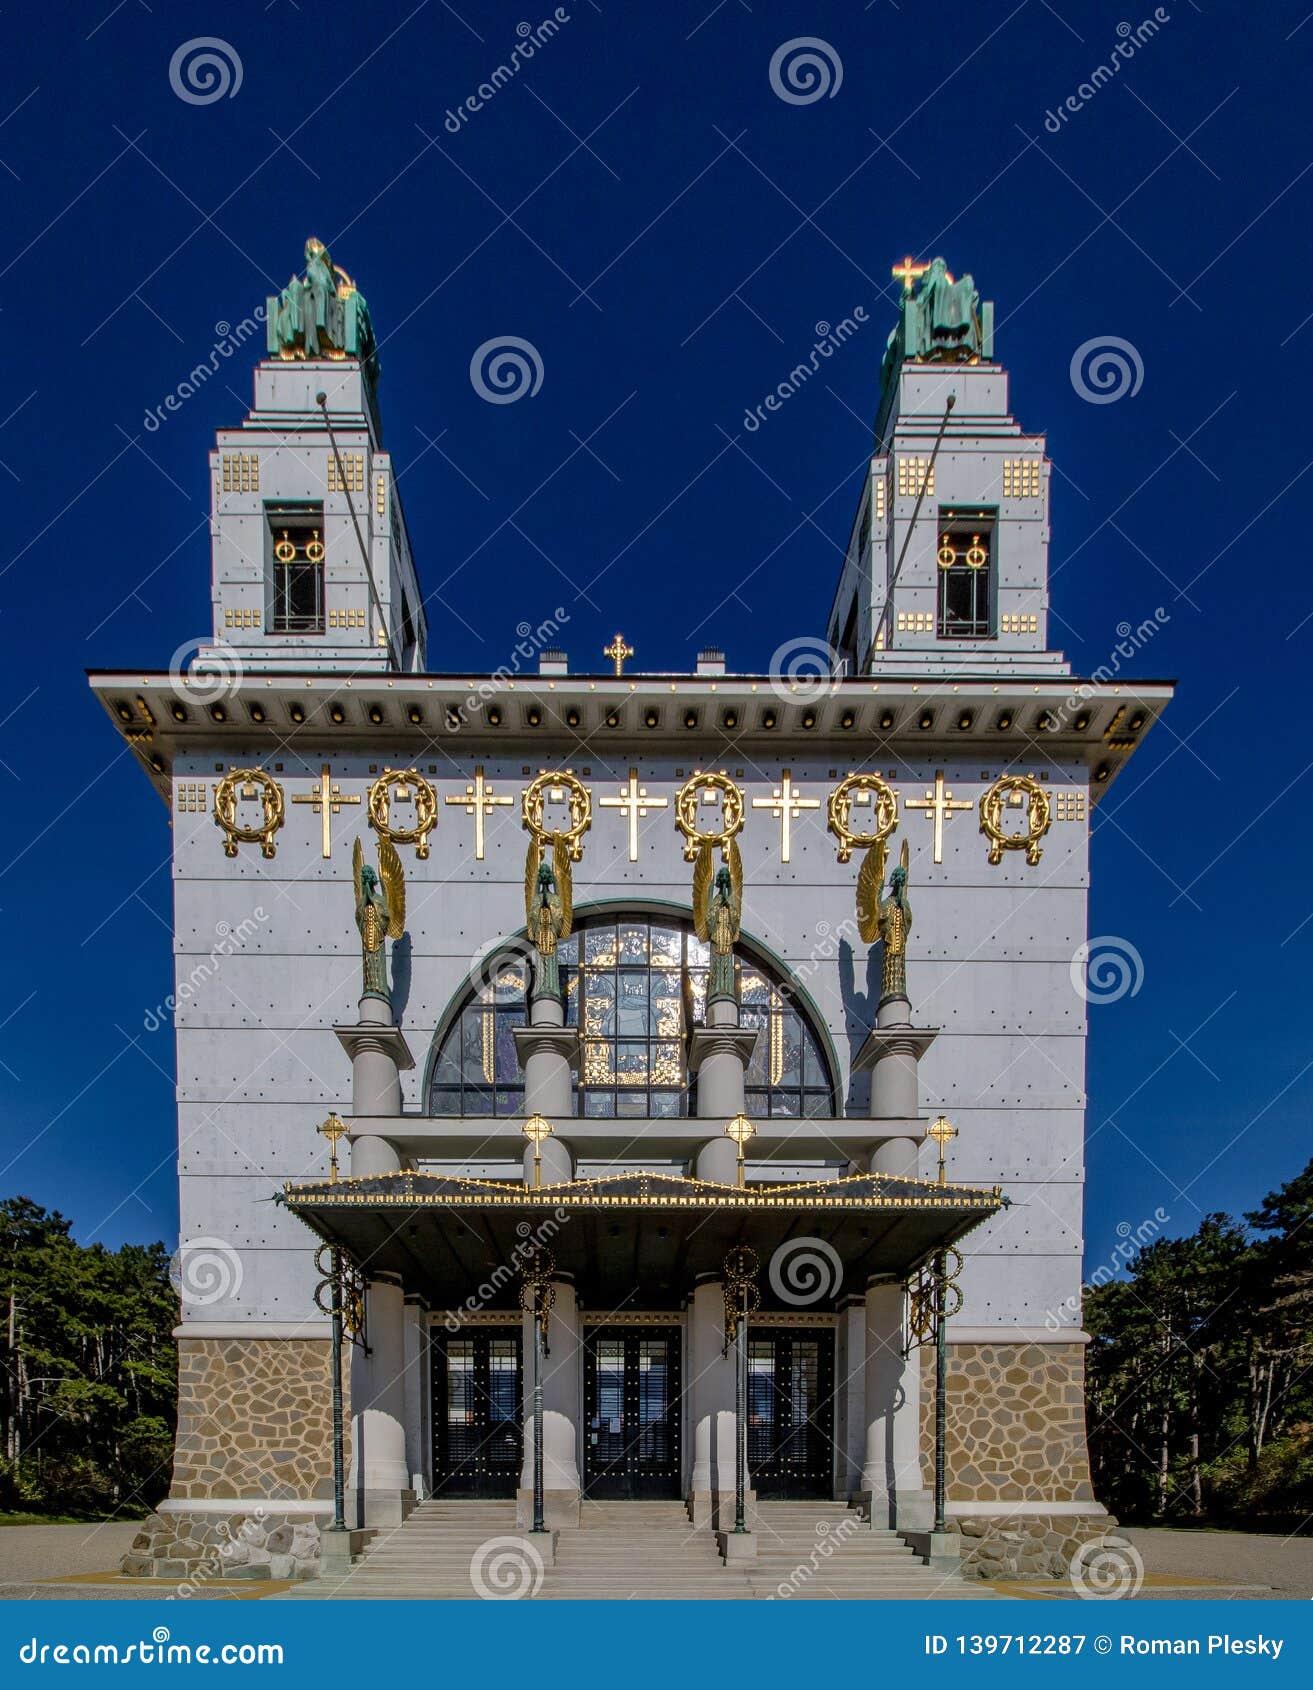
(1248, 1558)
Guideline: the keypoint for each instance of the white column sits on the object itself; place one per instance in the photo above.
(892, 1482)
(419, 1443)
(709, 1395)
(563, 1393)
(380, 1471)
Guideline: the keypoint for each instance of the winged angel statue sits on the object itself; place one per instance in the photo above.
(380, 911)
(888, 918)
(718, 913)
(548, 909)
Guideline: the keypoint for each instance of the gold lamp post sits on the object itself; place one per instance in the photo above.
(536, 1129)
(333, 1129)
(943, 1132)
(740, 1129)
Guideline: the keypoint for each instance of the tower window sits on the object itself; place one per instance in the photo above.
(296, 545)
(965, 556)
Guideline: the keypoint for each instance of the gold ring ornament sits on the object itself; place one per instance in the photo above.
(245, 782)
(686, 813)
(884, 813)
(923, 1298)
(556, 784)
(285, 551)
(977, 556)
(947, 555)
(314, 550)
(426, 808)
(739, 1288)
(1012, 791)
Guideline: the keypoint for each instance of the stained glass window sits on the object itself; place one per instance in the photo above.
(634, 989)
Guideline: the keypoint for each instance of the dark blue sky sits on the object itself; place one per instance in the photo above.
(667, 232)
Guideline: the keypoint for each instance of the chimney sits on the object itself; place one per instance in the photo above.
(711, 661)
(553, 663)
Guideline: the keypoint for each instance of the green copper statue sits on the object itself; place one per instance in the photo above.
(887, 919)
(321, 314)
(548, 909)
(943, 321)
(718, 914)
(380, 912)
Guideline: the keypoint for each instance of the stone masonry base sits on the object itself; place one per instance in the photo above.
(1025, 1546)
(197, 1548)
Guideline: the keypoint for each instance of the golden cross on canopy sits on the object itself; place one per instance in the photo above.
(943, 1132)
(326, 798)
(909, 270)
(333, 1129)
(636, 801)
(479, 801)
(787, 808)
(617, 651)
(937, 805)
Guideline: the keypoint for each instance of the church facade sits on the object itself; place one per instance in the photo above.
(609, 976)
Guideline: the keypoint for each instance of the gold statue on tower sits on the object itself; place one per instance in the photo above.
(888, 919)
(380, 912)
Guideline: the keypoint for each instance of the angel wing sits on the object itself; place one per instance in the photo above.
(394, 886)
(736, 885)
(703, 873)
(870, 883)
(532, 858)
(564, 887)
(357, 864)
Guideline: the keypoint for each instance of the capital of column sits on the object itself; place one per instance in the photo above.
(550, 1039)
(722, 1041)
(375, 1038)
(894, 1041)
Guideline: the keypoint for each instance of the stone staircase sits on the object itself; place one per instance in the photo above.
(636, 1551)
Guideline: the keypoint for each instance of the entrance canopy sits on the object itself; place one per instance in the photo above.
(636, 1240)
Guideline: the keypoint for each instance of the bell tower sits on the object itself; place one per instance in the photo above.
(312, 565)
(947, 562)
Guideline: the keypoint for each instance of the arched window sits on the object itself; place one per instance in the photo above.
(634, 987)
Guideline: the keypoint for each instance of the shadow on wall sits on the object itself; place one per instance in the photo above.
(402, 956)
(858, 1020)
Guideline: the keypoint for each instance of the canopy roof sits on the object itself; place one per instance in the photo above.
(634, 1240)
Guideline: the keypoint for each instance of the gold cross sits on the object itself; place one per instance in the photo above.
(938, 805)
(479, 801)
(943, 1132)
(909, 270)
(634, 798)
(326, 798)
(787, 807)
(617, 651)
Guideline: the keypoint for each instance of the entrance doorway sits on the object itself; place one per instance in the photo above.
(476, 1411)
(631, 1411)
(791, 1411)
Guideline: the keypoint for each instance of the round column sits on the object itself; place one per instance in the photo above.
(711, 1408)
(563, 1395)
(380, 1473)
(892, 1483)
